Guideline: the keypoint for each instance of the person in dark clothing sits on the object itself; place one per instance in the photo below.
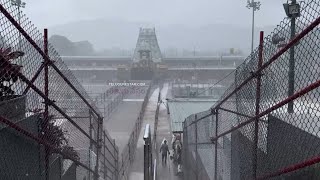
(165, 151)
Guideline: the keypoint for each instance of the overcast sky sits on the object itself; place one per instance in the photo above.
(46, 13)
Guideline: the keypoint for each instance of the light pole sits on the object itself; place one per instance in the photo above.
(194, 51)
(293, 11)
(255, 7)
(19, 4)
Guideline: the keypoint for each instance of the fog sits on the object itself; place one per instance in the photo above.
(201, 24)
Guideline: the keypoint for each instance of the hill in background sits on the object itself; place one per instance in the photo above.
(110, 36)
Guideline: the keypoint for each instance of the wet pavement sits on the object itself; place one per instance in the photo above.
(166, 172)
(121, 121)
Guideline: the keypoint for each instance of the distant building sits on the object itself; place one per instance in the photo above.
(147, 40)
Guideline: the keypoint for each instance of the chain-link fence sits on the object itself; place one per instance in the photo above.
(108, 101)
(183, 90)
(49, 127)
(266, 125)
(128, 153)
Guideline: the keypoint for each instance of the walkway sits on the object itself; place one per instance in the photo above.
(136, 172)
(164, 131)
(123, 119)
(164, 173)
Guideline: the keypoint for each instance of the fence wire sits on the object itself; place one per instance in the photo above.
(54, 134)
(274, 142)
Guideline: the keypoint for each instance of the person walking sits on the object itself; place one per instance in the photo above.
(164, 149)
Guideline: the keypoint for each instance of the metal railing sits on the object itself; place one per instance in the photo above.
(253, 132)
(155, 170)
(155, 127)
(148, 166)
(108, 101)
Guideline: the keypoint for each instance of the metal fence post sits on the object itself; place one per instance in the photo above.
(122, 165)
(185, 148)
(116, 159)
(291, 73)
(196, 134)
(148, 161)
(90, 127)
(129, 151)
(46, 92)
(216, 147)
(90, 134)
(256, 122)
(104, 156)
(145, 162)
(99, 141)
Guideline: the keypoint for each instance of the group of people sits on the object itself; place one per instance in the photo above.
(177, 151)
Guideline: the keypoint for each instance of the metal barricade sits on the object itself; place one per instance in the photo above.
(148, 166)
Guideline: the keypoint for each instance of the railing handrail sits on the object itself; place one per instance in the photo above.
(155, 169)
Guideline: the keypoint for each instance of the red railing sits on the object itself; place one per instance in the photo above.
(249, 134)
(67, 137)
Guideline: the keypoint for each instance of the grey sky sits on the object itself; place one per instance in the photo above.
(46, 13)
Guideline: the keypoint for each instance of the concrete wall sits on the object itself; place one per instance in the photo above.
(13, 109)
(241, 157)
(288, 145)
(70, 174)
(20, 157)
(55, 167)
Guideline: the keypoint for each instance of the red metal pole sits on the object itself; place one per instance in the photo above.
(256, 123)
(98, 145)
(116, 156)
(216, 148)
(269, 110)
(275, 57)
(49, 101)
(36, 75)
(24, 79)
(91, 144)
(196, 134)
(104, 155)
(291, 168)
(234, 112)
(39, 50)
(46, 93)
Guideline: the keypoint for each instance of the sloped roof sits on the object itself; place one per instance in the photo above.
(181, 109)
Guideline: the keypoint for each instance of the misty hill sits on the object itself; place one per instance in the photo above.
(68, 48)
(106, 34)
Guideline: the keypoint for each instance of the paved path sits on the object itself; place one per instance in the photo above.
(164, 172)
(123, 119)
(169, 171)
(136, 172)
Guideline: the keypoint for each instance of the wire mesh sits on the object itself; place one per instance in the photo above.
(67, 140)
(287, 142)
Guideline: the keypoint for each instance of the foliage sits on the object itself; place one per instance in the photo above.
(8, 70)
(54, 135)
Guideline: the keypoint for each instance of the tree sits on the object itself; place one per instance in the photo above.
(54, 135)
(8, 70)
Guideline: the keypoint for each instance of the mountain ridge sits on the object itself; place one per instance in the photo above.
(110, 33)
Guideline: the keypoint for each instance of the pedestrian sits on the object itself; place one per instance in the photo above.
(164, 149)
